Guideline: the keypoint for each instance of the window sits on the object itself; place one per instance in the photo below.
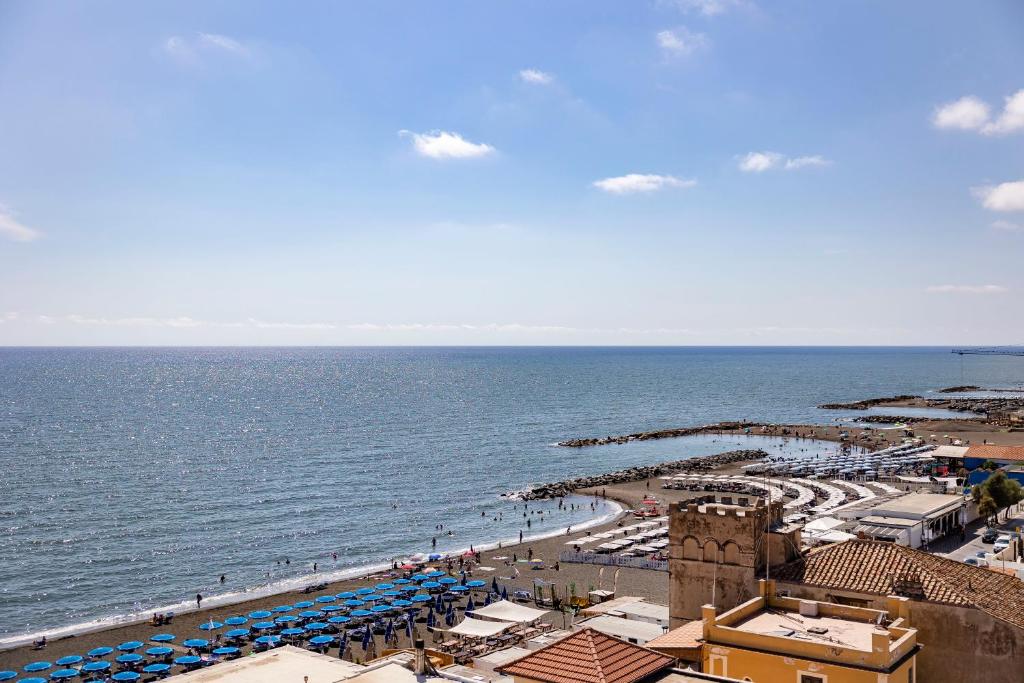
(718, 665)
(810, 678)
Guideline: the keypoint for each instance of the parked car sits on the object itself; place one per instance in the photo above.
(1002, 543)
(989, 536)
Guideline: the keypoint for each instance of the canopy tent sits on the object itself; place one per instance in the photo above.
(503, 610)
(478, 628)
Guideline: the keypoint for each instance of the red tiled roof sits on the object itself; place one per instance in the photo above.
(588, 656)
(689, 635)
(989, 452)
(874, 567)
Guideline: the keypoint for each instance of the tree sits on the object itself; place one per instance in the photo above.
(987, 507)
(1003, 491)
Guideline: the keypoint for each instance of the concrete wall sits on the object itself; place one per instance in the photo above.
(769, 668)
(958, 643)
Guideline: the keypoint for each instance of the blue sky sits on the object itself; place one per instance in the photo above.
(663, 172)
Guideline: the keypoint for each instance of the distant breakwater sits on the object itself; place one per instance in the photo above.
(699, 464)
(659, 434)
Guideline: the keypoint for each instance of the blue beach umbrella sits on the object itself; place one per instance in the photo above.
(326, 598)
(372, 598)
(69, 660)
(385, 586)
(447, 581)
(408, 629)
(196, 643)
(210, 626)
(431, 619)
(235, 621)
(470, 605)
(60, 674)
(434, 574)
(401, 582)
(380, 609)
(130, 645)
(163, 638)
(494, 584)
(321, 640)
(159, 651)
(392, 594)
(264, 625)
(422, 597)
(188, 660)
(32, 680)
(305, 604)
(130, 658)
(156, 668)
(126, 676)
(364, 591)
(100, 651)
(389, 632)
(458, 590)
(354, 603)
(347, 595)
(338, 620)
(293, 632)
(37, 666)
(259, 614)
(430, 585)
(439, 604)
(95, 666)
(504, 593)
(366, 639)
(400, 603)
(225, 650)
(286, 620)
(311, 614)
(8, 675)
(420, 577)
(316, 626)
(476, 583)
(411, 588)
(237, 633)
(361, 613)
(282, 608)
(333, 608)
(268, 640)
(449, 617)
(487, 600)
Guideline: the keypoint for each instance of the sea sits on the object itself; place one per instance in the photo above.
(133, 478)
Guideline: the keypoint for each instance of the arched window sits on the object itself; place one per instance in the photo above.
(731, 553)
(691, 548)
(710, 550)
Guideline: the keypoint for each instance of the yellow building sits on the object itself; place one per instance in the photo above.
(773, 639)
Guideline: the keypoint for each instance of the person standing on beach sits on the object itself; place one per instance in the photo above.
(520, 535)
(433, 542)
(199, 600)
(223, 578)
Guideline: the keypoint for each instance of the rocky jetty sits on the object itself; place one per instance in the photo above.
(868, 403)
(960, 389)
(699, 464)
(660, 434)
(909, 419)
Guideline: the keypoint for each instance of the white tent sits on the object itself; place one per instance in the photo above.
(478, 628)
(503, 610)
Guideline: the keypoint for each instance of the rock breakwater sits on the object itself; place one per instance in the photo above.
(639, 473)
(659, 434)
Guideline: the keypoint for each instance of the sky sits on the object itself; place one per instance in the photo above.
(664, 172)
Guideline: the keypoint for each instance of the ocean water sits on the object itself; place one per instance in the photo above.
(134, 478)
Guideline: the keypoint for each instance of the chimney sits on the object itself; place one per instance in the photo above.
(420, 660)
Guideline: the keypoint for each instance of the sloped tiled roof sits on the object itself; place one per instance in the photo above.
(689, 635)
(588, 656)
(874, 567)
(989, 452)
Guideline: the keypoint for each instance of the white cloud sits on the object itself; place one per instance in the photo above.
(189, 50)
(441, 144)
(132, 322)
(971, 113)
(1007, 226)
(536, 76)
(966, 289)
(1003, 197)
(708, 8)
(12, 229)
(759, 162)
(449, 327)
(262, 324)
(679, 42)
(641, 182)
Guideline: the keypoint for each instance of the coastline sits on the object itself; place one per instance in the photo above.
(290, 586)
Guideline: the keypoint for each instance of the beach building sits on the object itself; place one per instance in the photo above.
(717, 551)
(912, 520)
(629, 630)
(773, 638)
(589, 656)
(968, 619)
(632, 608)
(280, 664)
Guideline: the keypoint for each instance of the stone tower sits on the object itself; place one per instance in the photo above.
(718, 551)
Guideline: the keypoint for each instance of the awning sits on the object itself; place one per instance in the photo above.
(504, 610)
(478, 628)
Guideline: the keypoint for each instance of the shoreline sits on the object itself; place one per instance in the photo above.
(287, 586)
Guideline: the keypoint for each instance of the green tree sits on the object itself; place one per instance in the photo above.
(1003, 491)
(987, 508)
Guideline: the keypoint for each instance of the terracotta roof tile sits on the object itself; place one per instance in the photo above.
(874, 567)
(996, 452)
(690, 634)
(588, 656)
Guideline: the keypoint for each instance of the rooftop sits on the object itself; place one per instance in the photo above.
(922, 504)
(588, 656)
(689, 635)
(627, 629)
(848, 633)
(280, 664)
(987, 452)
(874, 567)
